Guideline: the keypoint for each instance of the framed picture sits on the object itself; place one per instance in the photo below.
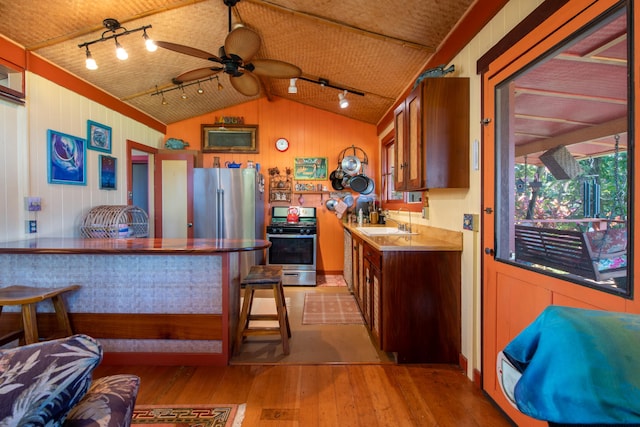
(310, 168)
(230, 138)
(107, 172)
(98, 137)
(66, 156)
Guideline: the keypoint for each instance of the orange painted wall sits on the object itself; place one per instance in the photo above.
(311, 133)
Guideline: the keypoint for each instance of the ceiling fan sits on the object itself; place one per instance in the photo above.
(234, 58)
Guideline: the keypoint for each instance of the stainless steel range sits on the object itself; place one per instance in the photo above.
(293, 244)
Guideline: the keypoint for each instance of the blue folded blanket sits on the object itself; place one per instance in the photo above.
(579, 367)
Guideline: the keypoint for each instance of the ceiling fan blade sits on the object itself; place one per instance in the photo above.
(247, 84)
(275, 68)
(242, 42)
(192, 51)
(197, 74)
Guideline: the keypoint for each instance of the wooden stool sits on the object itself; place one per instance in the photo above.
(264, 277)
(28, 297)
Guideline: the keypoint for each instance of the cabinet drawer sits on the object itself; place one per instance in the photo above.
(374, 257)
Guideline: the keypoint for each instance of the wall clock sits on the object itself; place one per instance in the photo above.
(282, 144)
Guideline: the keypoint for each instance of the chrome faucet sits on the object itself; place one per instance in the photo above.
(409, 214)
(401, 226)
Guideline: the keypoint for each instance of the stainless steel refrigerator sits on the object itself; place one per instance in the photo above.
(228, 203)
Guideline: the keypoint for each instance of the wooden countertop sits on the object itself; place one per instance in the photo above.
(133, 246)
(427, 239)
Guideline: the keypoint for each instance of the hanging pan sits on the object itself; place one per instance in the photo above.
(371, 185)
(359, 183)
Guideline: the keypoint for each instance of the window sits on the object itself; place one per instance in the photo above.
(392, 199)
(11, 82)
(562, 137)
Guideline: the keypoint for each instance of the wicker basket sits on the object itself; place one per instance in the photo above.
(114, 221)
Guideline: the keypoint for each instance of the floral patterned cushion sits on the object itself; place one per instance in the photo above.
(109, 402)
(40, 383)
(608, 247)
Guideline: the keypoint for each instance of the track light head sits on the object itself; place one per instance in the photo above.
(292, 86)
(342, 97)
(90, 62)
(121, 53)
(149, 43)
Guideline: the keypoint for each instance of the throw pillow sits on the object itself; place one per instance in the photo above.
(40, 383)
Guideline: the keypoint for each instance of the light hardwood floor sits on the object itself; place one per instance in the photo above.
(283, 391)
(324, 395)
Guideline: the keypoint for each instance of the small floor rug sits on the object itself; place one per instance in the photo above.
(330, 280)
(330, 309)
(210, 415)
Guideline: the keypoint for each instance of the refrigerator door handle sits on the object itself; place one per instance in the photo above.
(220, 207)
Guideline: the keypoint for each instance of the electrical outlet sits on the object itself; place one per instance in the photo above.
(32, 226)
(471, 222)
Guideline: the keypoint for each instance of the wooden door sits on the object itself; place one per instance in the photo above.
(513, 296)
(174, 195)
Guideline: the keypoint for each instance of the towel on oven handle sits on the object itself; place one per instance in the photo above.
(578, 367)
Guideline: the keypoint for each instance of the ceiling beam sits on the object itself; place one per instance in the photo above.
(581, 135)
(344, 26)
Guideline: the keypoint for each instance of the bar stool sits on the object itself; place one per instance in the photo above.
(264, 277)
(28, 297)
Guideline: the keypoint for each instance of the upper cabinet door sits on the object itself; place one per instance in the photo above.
(432, 136)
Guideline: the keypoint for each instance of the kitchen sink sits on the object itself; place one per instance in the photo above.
(382, 231)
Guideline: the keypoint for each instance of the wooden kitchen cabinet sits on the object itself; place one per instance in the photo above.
(372, 281)
(432, 136)
(410, 301)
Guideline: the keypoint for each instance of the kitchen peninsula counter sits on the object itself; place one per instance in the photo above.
(52, 245)
(148, 301)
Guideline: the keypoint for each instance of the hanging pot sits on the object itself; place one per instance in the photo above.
(331, 204)
(332, 176)
(339, 172)
(348, 200)
(371, 185)
(359, 183)
(351, 165)
(337, 184)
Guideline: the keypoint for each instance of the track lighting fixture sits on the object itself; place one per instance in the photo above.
(182, 87)
(292, 86)
(90, 62)
(344, 102)
(114, 27)
(342, 96)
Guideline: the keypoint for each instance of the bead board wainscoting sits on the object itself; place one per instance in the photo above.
(135, 304)
(311, 133)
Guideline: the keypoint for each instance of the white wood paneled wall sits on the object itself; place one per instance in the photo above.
(23, 145)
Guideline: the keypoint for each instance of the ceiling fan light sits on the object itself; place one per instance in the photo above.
(90, 62)
(344, 102)
(292, 86)
(120, 52)
(149, 43)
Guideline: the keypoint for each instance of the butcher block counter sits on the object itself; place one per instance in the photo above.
(148, 301)
(408, 290)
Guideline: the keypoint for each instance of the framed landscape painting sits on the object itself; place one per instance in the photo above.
(66, 156)
(98, 136)
(310, 168)
(107, 172)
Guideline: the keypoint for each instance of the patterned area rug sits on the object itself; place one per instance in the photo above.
(330, 309)
(189, 415)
